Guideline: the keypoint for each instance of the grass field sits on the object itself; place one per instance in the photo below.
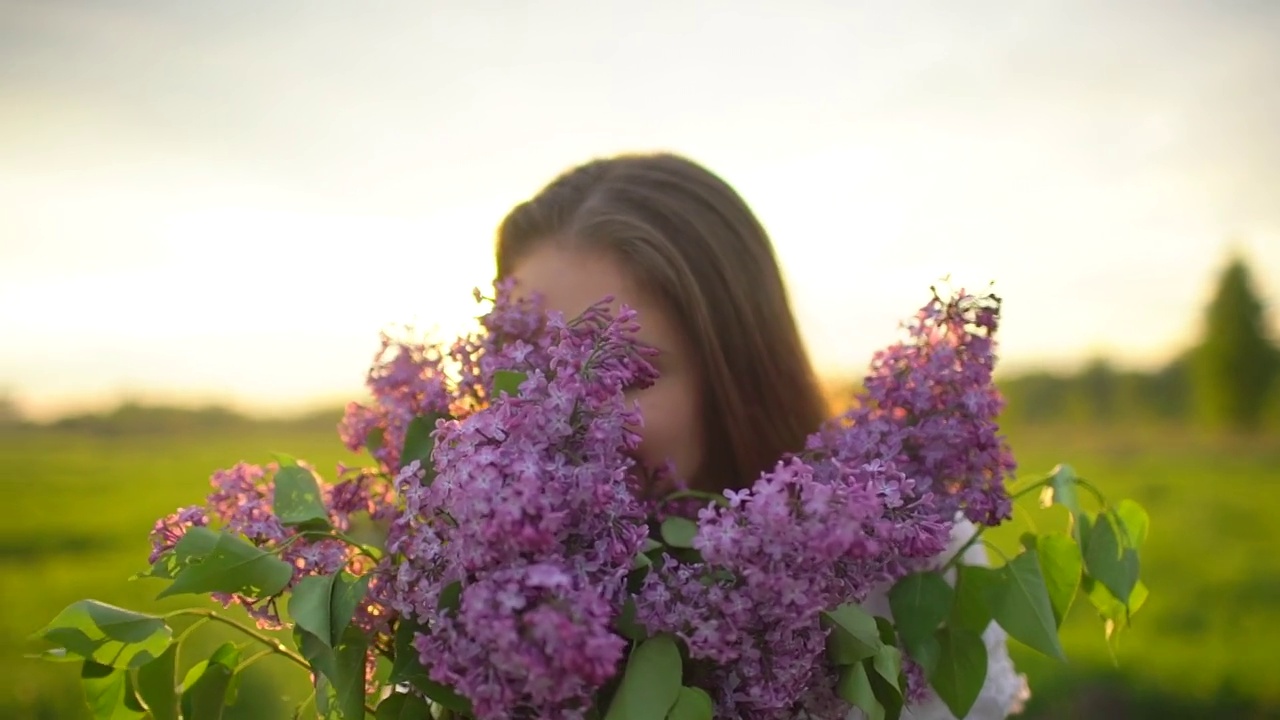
(79, 506)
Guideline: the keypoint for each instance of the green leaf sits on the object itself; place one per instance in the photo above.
(284, 459)
(323, 605)
(1062, 566)
(626, 624)
(888, 634)
(1117, 616)
(158, 685)
(650, 545)
(854, 687)
(231, 566)
(651, 682)
(1135, 522)
(108, 635)
(1107, 562)
(1020, 603)
(887, 663)
(885, 670)
(1080, 529)
(205, 695)
(109, 692)
(408, 668)
(340, 680)
(374, 441)
(972, 607)
(692, 704)
(451, 596)
(53, 655)
(920, 602)
(926, 655)
(507, 381)
(348, 675)
(962, 668)
(854, 634)
(419, 444)
(194, 544)
(1062, 490)
(297, 500)
(402, 706)
(679, 532)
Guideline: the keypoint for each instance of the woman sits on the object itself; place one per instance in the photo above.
(737, 390)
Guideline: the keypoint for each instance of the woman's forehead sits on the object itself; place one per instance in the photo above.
(569, 281)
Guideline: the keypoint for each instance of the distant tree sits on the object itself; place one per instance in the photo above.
(1236, 363)
(1098, 387)
(10, 412)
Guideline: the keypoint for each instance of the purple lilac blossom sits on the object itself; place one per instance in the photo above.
(551, 628)
(803, 539)
(930, 406)
(533, 506)
(535, 512)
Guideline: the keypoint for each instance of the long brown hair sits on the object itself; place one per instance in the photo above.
(692, 242)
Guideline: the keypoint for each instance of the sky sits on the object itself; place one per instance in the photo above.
(228, 201)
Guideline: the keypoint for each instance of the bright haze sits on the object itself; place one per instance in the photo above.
(228, 200)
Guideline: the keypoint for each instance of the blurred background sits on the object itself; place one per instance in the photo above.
(209, 210)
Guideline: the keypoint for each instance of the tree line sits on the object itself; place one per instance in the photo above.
(1229, 379)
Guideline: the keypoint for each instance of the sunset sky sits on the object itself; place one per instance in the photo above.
(228, 200)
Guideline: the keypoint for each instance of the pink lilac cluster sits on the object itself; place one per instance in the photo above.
(552, 631)
(873, 497)
(514, 540)
(532, 515)
(805, 538)
(929, 405)
(241, 503)
(412, 379)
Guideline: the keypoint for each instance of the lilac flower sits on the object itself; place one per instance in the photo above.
(803, 539)
(513, 542)
(551, 632)
(170, 529)
(930, 406)
(414, 379)
(532, 507)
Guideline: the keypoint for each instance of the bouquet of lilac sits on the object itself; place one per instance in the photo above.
(505, 556)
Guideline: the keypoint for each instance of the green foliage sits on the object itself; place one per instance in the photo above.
(109, 692)
(678, 532)
(507, 381)
(108, 635)
(297, 500)
(651, 682)
(1236, 362)
(920, 602)
(419, 443)
(692, 704)
(209, 685)
(1028, 596)
(961, 668)
(211, 561)
(323, 605)
(402, 706)
(340, 682)
(157, 685)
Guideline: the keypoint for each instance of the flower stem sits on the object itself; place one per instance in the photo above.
(1030, 488)
(977, 534)
(254, 658)
(275, 647)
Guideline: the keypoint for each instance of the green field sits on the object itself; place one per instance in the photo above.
(79, 506)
